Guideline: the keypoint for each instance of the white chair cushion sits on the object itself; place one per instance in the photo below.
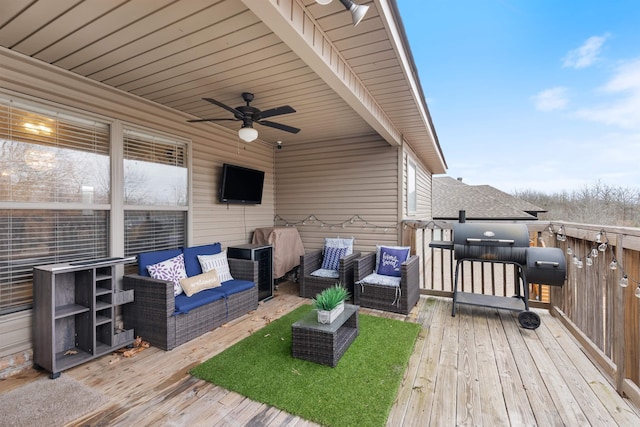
(323, 272)
(381, 280)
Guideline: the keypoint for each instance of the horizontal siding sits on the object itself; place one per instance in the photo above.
(423, 188)
(229, 224)
(15, 332)
(335, 181)
(211, 146)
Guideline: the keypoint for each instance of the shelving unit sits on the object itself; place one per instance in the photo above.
(75, 313)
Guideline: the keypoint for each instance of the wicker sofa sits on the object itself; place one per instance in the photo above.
(383, 297)
(167, 321)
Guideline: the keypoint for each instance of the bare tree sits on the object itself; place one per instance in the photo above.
(597, 203)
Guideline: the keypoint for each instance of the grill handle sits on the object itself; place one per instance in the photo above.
(551, 263)
(476, 240)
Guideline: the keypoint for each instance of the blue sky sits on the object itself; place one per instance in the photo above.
(532, 94)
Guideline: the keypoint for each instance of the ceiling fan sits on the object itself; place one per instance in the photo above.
(249, 115)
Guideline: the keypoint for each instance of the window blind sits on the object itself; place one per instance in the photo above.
(49, 157)
(154, 149)
(153, 231)
(30, 238)
(155, 176)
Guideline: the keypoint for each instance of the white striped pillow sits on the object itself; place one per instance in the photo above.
(216, 262)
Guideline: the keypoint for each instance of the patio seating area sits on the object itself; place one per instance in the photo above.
(478, 368)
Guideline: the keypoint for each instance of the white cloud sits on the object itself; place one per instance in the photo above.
(623, 111)
(587, 54)
(551, 99)
(627, 77)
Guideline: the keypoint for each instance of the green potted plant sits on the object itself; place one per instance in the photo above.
(330, 303)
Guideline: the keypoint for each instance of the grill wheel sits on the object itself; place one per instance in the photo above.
(529, 319)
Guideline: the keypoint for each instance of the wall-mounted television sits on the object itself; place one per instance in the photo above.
(241, 185)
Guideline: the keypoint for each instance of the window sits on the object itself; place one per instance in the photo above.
(54, 194)
(155, 170)
(411, 187)
(155, 192)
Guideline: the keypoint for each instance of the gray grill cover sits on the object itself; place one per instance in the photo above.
(491, 241)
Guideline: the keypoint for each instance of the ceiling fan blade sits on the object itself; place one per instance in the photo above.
(211, 120)
(225, 106)
(278, 126)
(285, 109)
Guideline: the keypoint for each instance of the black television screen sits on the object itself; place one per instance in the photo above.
(241, 185)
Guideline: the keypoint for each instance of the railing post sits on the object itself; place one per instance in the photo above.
(618, 324)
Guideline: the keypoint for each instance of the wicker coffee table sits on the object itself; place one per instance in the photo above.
(324, 343)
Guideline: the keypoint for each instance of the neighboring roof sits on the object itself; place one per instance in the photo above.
(509, 200)
(478, 201)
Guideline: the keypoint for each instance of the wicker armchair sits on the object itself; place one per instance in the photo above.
(387, 298)
(310, 286)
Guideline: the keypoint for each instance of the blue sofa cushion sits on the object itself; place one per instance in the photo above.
(150, 258)
(191, 263)
(184, 303)
(234, 286)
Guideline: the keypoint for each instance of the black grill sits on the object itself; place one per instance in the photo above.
(491, 242)
(507, 244)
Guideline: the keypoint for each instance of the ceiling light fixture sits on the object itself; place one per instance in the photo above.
(247, 133)
(357, 11)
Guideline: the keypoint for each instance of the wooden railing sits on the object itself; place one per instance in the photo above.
(603, 315)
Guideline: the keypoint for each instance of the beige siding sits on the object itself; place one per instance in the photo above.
(15, 333)
(211, 146)
(335, 181)
(423, 188)
(232, 223)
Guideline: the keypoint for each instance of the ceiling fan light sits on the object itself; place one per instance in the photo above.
(323, 2)
(247, 134)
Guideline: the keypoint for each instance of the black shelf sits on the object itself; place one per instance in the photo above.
(264, 255)
(70, 310)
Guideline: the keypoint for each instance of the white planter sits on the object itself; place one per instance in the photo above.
(325, 316)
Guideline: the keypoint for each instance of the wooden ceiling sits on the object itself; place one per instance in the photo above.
(177, 52)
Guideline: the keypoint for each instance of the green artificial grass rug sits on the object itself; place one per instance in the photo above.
(359, 391)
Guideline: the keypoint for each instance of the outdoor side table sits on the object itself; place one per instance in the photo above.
(324, 343)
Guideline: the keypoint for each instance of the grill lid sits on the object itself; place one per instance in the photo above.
(491, 234)
(491, 242)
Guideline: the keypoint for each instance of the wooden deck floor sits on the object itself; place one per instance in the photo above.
(478, 368)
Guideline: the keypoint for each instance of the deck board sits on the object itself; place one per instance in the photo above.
(494, 410)
(478, 368)
(545, 412)
(469, 409)
(561, 399)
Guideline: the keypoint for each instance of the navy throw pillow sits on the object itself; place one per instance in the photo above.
(332, 256)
